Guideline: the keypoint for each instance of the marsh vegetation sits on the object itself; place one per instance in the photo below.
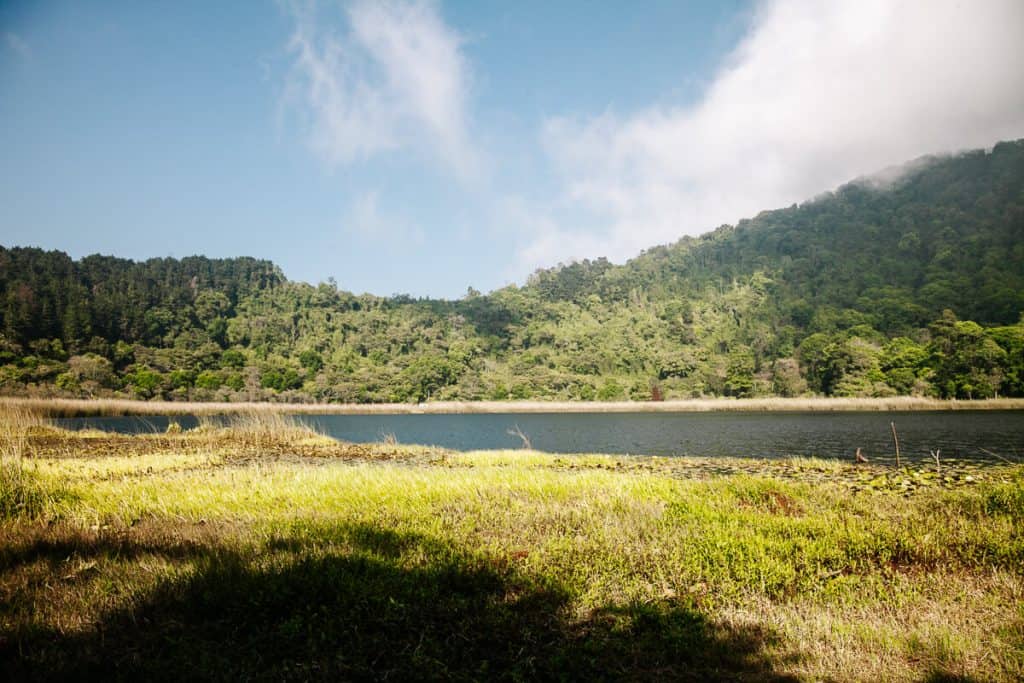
(108, 407)
(259, 548)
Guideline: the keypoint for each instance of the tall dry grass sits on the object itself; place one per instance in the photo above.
(59, 407)
(255, 429)
(16, 423)
(21, 491)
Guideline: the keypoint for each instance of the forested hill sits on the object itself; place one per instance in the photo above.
(911, 284)
(948, 235)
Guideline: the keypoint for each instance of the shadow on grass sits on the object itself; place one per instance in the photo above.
(359, 603)
(60, 546)
(947, 677)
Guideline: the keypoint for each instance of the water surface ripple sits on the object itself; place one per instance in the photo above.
(959, 434)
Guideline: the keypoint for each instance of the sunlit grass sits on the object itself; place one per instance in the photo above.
(644, 567)
(21, 490)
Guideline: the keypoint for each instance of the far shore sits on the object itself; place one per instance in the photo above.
(62, 407)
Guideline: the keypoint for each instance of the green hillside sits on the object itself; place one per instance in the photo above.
(909, 285)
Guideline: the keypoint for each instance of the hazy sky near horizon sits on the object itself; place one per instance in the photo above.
(424, 147)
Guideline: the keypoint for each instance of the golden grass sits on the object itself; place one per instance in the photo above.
(257, 429)
(926, 633)
(60, 407)
(16, 424)
(20, 489)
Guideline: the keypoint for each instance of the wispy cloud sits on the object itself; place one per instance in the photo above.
(366, 219)
(17, 45)
(817, 93)
(392, 78)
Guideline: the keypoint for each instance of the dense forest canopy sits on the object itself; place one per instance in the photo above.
(907, 286)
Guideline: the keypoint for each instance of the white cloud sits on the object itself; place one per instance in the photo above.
(394, 79)
(816, 94)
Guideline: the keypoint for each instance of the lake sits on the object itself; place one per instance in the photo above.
(964, 435)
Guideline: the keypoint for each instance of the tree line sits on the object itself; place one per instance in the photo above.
(913, 286)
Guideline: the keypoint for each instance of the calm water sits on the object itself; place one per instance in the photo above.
(961, 434)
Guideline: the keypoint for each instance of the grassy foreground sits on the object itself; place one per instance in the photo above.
(263, 550)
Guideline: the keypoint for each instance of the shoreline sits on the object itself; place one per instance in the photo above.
(62, 407)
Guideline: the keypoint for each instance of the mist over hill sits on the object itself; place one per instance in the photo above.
(907, 282)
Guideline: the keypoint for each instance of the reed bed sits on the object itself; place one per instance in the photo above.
(61, 407)
(257, 429)
(21, 491)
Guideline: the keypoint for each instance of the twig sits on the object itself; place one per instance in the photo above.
(935, 454)
(896, 441)
(519, 432)
(996, 455)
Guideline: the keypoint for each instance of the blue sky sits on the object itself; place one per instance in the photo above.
(424, 147)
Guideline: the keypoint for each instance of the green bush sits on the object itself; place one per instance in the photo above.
(207, 379)
(610, 391)
(145, 382)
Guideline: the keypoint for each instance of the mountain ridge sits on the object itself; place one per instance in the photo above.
(855, 292)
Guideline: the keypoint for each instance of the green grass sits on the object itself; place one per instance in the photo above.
(220, 554)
